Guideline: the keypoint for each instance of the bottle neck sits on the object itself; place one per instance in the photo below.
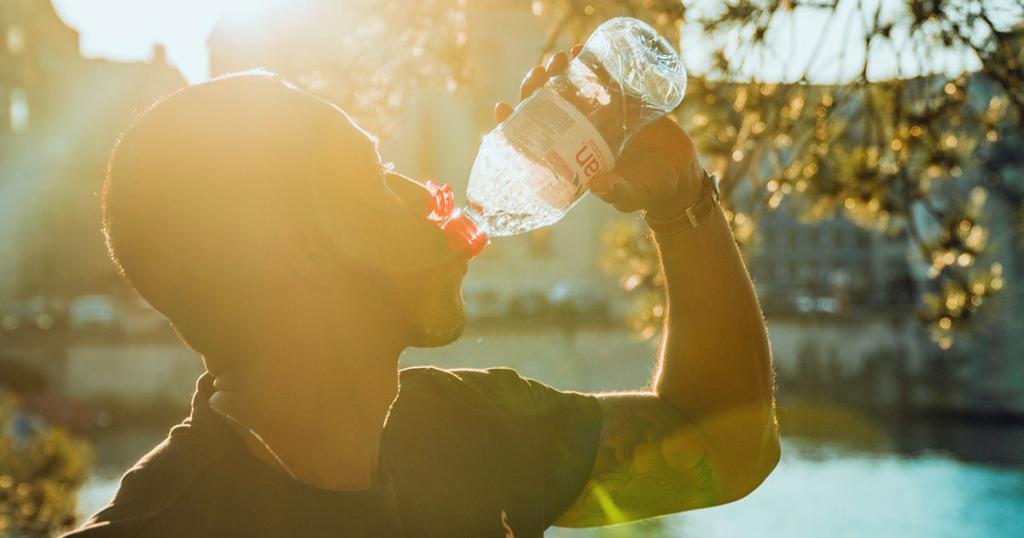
(466, 231)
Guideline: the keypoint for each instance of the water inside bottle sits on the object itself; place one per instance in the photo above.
(501, 195)
(505, 183)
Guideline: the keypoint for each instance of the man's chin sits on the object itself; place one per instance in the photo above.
(439, 337)
(444, 327)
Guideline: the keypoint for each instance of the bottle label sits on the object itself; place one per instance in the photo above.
(555, 131)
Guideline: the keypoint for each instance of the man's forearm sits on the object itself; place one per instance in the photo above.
(716, 360)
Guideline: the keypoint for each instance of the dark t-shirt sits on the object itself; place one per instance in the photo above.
(474, 453)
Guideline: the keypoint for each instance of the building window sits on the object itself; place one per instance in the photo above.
(19, 112)
(15, 40)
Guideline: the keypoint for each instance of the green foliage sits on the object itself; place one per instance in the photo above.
(629, 255)
(920, 149)
(39, 476)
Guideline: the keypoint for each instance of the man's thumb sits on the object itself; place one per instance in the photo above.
(620, 192)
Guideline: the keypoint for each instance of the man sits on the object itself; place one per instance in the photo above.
(262, 222)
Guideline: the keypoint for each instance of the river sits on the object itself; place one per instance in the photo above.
(953, 480)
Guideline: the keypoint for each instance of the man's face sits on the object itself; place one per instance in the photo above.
(431, 295)
(431, 303)
(379, 219)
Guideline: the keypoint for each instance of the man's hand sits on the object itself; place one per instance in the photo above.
(657, 172)
(706, 433)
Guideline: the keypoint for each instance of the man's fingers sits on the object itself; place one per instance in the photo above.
(625, 195)
(502, 111)
(630, 196)
(642, 179)
(528, 89)
(533, 80)
(557, 63)
(604, 184)
(576, 49)
(539, 75)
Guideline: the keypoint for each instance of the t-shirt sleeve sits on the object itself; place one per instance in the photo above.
(549, 436)
(569, 426)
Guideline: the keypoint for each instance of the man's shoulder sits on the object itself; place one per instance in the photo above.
(432, 376)
(500, 386)
(485, 387)
(153, 485)
(499, 443)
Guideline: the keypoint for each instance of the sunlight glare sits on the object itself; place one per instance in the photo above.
(127, 30)
(248, 9)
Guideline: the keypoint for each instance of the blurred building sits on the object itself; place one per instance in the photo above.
(835, 267)
(830, 266)
(991, 357)
(987, 365)
(983, 370)
(60, 114)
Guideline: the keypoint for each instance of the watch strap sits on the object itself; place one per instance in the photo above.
(694, 214)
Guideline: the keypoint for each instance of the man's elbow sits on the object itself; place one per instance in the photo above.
(742, 480)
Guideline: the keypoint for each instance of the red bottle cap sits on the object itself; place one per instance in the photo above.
(442, 202)
(464, 234)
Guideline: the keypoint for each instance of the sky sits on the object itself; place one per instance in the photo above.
(128, 29)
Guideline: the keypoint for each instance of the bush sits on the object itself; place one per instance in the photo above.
(41, 470)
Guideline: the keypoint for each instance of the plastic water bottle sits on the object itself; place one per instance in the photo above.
(537, 164)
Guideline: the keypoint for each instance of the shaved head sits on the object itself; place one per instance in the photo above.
(223, 196)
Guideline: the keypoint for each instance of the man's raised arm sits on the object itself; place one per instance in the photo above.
(705, 434)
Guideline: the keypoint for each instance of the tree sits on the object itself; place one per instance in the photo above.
(41, 471)
(911, 130)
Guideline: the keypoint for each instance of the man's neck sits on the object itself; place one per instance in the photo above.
(318, 411)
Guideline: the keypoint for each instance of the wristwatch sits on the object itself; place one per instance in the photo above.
(691, 216)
